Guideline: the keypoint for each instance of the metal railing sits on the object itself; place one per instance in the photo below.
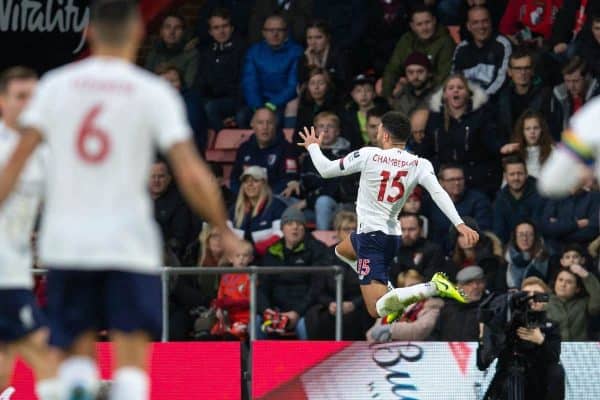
(253, 271)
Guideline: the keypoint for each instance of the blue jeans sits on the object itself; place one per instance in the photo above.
(325, 208)
(301, 332)
(219, 109)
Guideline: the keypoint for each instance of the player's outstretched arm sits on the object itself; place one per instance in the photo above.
(29, 140)
(201, 190)
(326, 167)
(561, 174)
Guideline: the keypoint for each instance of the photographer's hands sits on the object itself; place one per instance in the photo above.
(533, 335)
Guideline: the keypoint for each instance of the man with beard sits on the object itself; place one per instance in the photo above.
(419, 85)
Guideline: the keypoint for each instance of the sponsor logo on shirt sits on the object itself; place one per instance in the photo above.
(291, 165)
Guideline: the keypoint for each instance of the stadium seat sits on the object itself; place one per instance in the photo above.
(329, 238)
(455, 32)
(231, 139)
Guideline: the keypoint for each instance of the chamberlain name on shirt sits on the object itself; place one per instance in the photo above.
(394, 162)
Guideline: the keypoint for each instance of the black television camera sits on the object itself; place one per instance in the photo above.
(502, 315)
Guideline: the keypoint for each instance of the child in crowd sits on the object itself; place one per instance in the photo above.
(233, 298)
(534, 140)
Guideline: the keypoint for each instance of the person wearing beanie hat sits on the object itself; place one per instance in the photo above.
(427, 37)
(418, 86)
(388, 175)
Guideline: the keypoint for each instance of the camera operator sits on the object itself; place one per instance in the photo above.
(528, 348)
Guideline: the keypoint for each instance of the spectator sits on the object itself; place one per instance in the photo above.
(228, 196)
(413, 205)
(457, 321)
(416, 252)
(219, 72)
(496, 8)
(418, 123)
(467, 202)
(290, 294)
(482, 254)
(192, 294)
(171, 49)
(354, 117)
(418, 86)
(233, 297)
(588, 45)
(573, 18)
(324, 195)
(523, 91)
(525, 255)
(482, 58)
(322, 54)
(427, 37)
(527, 21)
(573, 219)
(256, 214)
(316, 96)
(347, 21)
(240, 15)
(461, 129)
(577, 88)
(576, 298)
(170, 211)
(571, 253)
(320, 318)
(534, 141)
(516, 201)
(373, 120)
(270, 72)
(267, 148)
(192, 101)
(296, 14)
(417, 321)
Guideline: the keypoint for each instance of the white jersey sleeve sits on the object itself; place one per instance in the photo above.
(426, 178)
(168, 116)
(350, 164)
(38, 113)
(580, 146)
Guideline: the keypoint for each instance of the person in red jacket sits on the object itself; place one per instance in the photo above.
(529, 20)
(233, 298)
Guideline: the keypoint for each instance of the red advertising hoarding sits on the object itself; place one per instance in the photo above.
(179, 371)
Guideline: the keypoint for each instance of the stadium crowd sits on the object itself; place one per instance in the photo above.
(488, 92)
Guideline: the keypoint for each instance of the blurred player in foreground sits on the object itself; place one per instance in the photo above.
(22, 328)
(102, 118)
(388, 176)
(574, 159)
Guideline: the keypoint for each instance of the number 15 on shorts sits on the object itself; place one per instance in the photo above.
(363, 268)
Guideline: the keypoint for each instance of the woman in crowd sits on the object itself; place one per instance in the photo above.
(317, 95)
(256, 213)
(320, 318)
(525, 255)
(461, 129)
(534, 140)
(576, 298)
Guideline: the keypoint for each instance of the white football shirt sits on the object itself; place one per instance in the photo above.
(18, 213)
(103, 119)
(386, 181)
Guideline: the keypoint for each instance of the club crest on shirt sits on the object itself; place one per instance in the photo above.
(271, 158)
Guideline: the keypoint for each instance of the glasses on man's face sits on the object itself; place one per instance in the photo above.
(274, 30)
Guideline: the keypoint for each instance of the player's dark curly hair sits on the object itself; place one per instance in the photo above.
(397, 125)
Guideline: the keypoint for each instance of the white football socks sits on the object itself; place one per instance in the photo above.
(398, 299)
(79, 372)
(130, 383)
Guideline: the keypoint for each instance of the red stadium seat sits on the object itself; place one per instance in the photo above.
(328, 237)
(231, 139)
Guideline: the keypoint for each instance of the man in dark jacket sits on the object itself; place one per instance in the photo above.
(459, 322)
(468, 202)
(270, 72)
(170, 211)
(573, 219)
(291, 294)
(267, 148)
(419, 85)
(483, 58)
(415, 252)
(219, 73)
(523, 91)
(518, 200)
